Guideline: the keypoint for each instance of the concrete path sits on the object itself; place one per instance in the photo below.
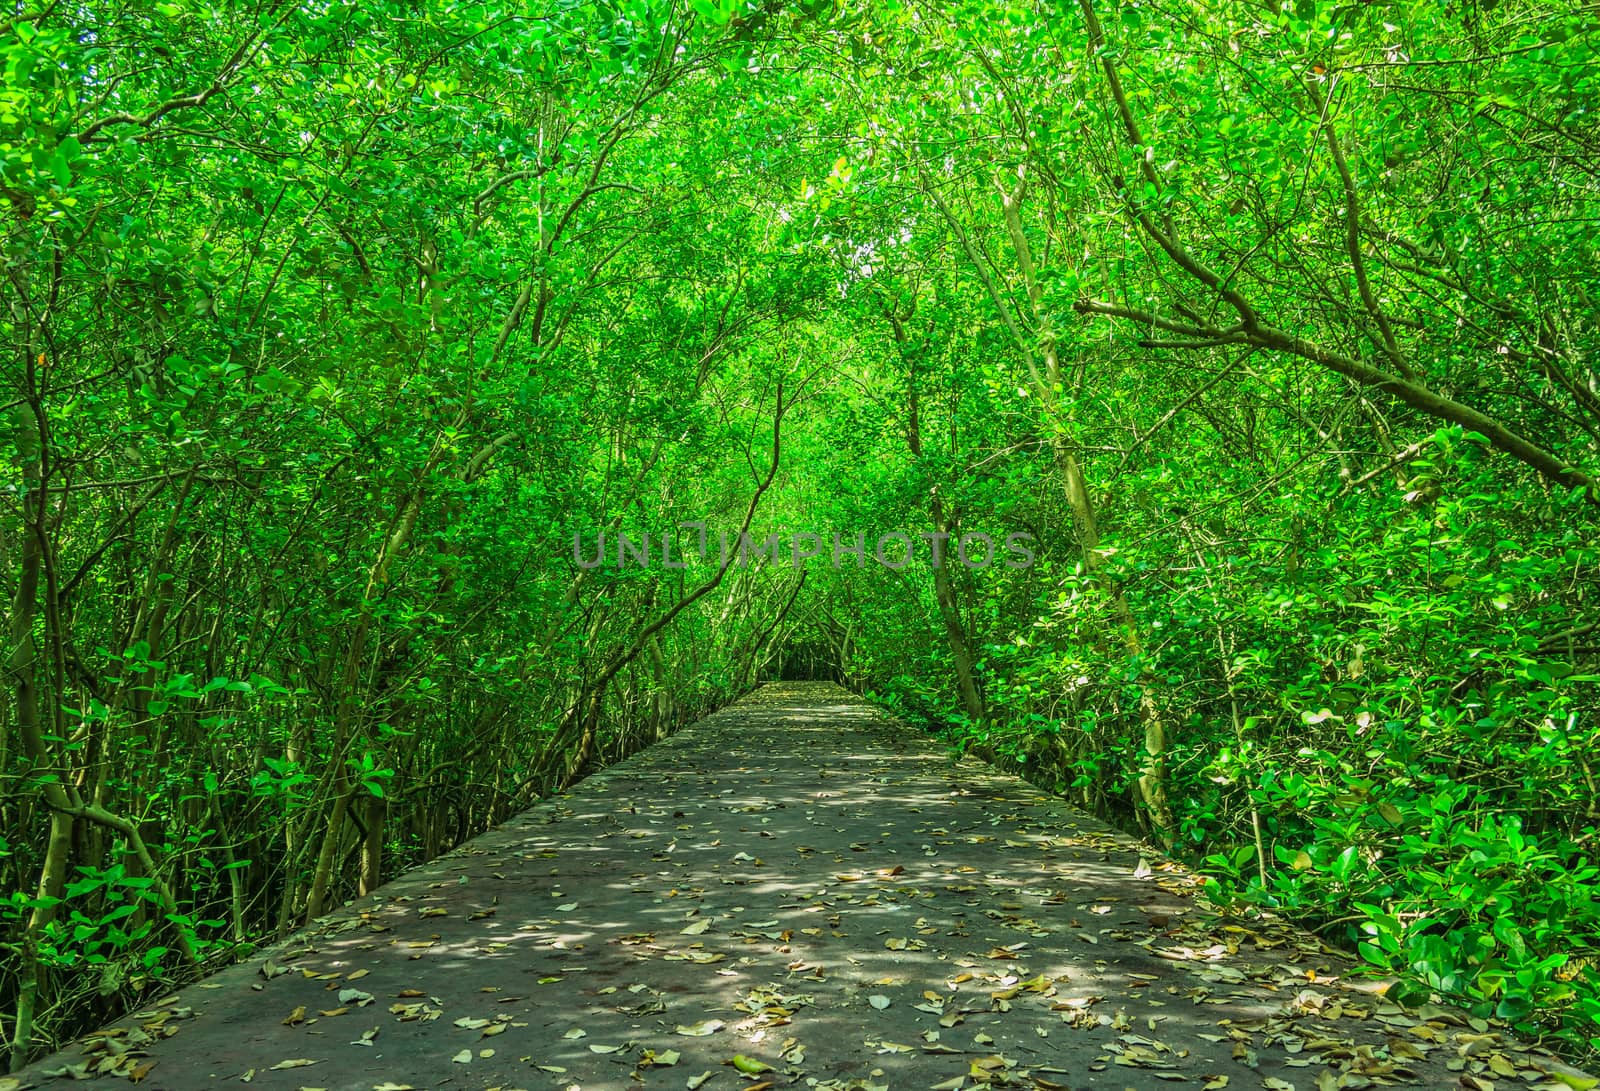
(796, 892)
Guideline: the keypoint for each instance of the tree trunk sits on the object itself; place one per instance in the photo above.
(377, 810)
(943, 589)
(1153, 778)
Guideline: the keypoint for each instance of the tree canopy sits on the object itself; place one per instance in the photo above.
(338, 334)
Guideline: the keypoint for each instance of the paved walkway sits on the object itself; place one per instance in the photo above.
(795, 892)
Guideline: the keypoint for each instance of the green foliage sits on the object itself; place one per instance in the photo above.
(327, 328)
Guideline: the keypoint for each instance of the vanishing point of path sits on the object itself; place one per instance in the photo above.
(796, 892)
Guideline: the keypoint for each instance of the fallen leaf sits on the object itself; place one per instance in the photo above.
(298, 1062)
(1577, 1083)
(664, 1059)
(701, 1029)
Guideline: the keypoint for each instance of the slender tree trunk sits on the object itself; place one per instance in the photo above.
(322, 877)
(955, 632)
(20, 667)
(377, 811)
(943, 589)
(1153, 776)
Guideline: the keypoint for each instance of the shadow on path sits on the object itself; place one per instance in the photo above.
(810, 887)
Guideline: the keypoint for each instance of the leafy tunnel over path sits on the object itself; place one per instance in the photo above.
(799, 891)
(380, 380)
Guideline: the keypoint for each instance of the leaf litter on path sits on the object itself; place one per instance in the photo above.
(800, 892)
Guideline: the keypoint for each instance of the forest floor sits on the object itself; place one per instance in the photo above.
(797, 892)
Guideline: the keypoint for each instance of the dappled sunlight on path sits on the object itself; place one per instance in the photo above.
(796, 892)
